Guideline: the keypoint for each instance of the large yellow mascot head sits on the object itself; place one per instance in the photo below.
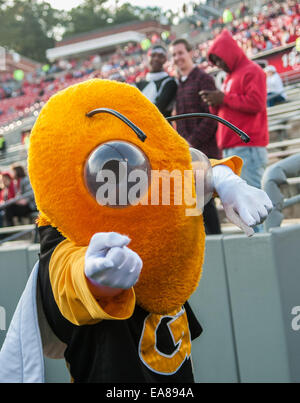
(66, 136)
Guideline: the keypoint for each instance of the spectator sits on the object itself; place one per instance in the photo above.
(158, 86)
(200, 133)
(25, 138)
(242, 101)
(1, 210)
(2, 145)
(272, 25)
(7, 193)
(284, 36)
(243, 10)
(275, 89)
(13, 186)
(268, 43)
(26, 205)
(227, 16)
(117, 77)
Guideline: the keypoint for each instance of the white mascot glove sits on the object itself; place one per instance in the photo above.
(109, 263)
(244, 205)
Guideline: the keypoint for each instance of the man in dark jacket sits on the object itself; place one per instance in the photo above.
(158, 86)
(200, 133)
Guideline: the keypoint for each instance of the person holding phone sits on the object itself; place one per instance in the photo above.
(243, 102)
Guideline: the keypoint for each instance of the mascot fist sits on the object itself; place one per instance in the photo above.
(110, 263)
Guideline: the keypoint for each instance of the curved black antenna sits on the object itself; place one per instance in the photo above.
(245, 138)
(141, 135)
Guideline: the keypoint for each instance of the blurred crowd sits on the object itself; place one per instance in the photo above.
(20, 97)
(276, 24)
(16, 196)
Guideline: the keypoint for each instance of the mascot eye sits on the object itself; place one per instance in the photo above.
(117, 174)
(203, 176)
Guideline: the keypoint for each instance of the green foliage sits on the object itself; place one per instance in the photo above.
(91, 14)
(29, 27)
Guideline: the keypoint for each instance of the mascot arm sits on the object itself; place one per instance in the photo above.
(244, 205)
(73, 295)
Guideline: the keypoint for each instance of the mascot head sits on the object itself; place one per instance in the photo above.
(75, 137)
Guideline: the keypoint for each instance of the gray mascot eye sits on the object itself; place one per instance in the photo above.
(203, 176)
(117, 174)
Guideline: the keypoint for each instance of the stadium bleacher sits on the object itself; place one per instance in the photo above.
(284, 125)
(251, 32)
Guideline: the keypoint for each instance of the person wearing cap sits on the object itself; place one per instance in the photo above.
(275, 89)
(158, 86)
(243, 102)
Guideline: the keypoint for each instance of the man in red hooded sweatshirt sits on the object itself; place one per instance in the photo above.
(242, 102)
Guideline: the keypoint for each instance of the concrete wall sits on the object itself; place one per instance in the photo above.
(15, 267)
(246, 303)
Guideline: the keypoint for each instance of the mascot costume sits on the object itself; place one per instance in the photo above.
(110, 290)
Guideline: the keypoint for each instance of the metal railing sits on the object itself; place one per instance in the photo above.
(15, 199)
(19, 233)
(275, 176)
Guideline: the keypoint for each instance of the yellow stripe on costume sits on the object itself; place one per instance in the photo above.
(235, 163)
(72, 294)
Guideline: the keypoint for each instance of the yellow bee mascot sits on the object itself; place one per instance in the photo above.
(116, 267)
